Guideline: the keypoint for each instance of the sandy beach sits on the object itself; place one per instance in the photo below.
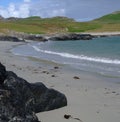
(91, 97)
(104, 33)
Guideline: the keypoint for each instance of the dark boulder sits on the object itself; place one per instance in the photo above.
(2, 74)
(20, 100)
(35, 38)
(73, 36)
(47, 99)
(16, 100)
(10, 38)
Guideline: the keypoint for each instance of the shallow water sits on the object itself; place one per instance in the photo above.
(100, 55)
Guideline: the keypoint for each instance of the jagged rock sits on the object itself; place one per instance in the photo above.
(10, 38)
(2, 73)
(20, 100)
(47, 99)
(71, 37)
(35, 38)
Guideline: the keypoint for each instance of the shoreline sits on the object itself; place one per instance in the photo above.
(90, 98)
(44, 54)
(59, 36)
(103, 33)
(79, 36)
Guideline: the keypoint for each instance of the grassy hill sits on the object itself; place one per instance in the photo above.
(37, 25)
(110, 18)
(110, 22)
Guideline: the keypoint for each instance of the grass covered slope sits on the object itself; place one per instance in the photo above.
(37, 25)
(109, 23)
(47, 25)
(110, 18)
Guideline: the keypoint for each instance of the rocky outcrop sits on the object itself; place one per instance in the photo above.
(46, 99)
(10, 38)
(35, 38)
(2, 73)
(21, 37)
(71, 37)
(20, 100)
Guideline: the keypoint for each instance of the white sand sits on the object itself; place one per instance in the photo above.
(103, 33)
(90, 98)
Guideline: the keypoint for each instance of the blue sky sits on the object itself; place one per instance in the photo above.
(7, 2)
(82, 10)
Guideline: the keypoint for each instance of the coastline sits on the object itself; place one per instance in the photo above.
(90, 98)
(79, 36)
(22, 37)
(103, 33)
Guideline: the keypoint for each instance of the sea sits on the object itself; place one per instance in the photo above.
(99, 55)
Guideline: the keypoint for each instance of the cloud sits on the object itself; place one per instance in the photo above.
(48, 8)
(60, 12)
(12, 11)
(77, 9)
(27, 8)
(24, 10)
(46, 13)
(16, 10)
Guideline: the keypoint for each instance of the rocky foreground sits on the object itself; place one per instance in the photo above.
(20, 100)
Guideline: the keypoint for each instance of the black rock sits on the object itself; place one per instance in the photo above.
(47, 99)
(67, 116)
(20, 100)
(76, 77)
(10, 38)
(73, 36)
(35, 38)
(2, 74)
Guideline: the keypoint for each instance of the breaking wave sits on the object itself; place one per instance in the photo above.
(80, 57)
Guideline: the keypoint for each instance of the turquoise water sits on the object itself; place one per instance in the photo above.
(101, 55)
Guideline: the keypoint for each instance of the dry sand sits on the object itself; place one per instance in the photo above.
(104, 33)
(90, 98)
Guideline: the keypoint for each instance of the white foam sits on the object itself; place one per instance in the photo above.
(81, 57)
(36, 48)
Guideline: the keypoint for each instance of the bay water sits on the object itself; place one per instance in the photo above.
(99, 55)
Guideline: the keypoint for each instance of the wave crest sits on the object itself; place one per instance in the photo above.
(80, 57)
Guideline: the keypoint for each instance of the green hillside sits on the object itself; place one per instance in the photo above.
(110, 22)
(110, 18)
(37, 25)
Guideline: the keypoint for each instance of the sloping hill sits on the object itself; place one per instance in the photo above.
(110, 18)
(37, 25)
(110, 22)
